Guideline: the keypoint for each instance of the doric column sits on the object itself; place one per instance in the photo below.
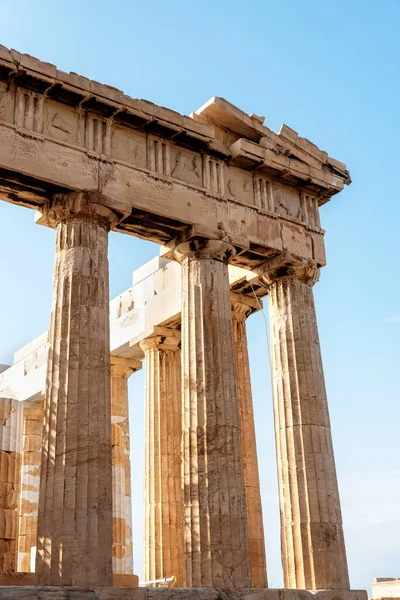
(242, 307)
(75, 502)
(30, 483)
(313, 550)
(10, 472)
(215, 527)
(122, 550)
(163, 536)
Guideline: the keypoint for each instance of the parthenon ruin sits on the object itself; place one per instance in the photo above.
(236, 210)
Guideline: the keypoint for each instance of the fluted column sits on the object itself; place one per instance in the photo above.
(215, 527)
(122, 549)
(75, 501)
(242, 307)
(313, 550)
(10, 470)
(163, 543)
(30, 482)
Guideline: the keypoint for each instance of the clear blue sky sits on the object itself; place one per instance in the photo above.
(328, 69)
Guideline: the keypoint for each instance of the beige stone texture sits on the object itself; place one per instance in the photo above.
(386, 587)
(215, 524)
(163, 534)
(122, 551)
(26, 378)
(313, 551)
(75, 502)
(242, 307)
(30, 482)
(16, 578)
(10, 486)
(125, 580)
(216, 187)
(153, 300)
(140, 593)
(161, 171)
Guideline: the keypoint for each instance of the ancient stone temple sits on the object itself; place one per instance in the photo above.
(235, 208)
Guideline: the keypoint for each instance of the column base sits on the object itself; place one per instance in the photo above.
(140, 593)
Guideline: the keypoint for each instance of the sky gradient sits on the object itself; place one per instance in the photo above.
(330, 70)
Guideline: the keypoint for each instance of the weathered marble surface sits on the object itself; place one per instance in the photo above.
(30, 482)
(115, 593)
(215, 522)
(154, 299)
(161, 171)
(122, 552)
(163, 528)
(75, 500)
(242, 307)
(10, 480)
(386, 587)
(216, 187)
(313, 549)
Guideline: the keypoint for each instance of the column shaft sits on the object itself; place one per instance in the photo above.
(313, 551)
(30, 483)
(10, 472)
(216, 545)
(255, 526)
(163, 544)
(75, 503)
(122, 550)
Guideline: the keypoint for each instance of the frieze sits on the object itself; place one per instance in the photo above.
(28, 111)
(310, 211)
(158, 156)
(213, 175)
(6, 103)
(186, 166)
(63, 123)
(102, 137)
(263, 196)
(239, 186)
(97, 134)
(129, 147)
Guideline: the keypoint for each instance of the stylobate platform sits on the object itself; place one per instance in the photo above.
(125, 593)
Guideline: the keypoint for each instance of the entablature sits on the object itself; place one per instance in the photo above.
(160, 171)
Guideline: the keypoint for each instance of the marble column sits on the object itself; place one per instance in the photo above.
(122, 549)
(74, 545)
(10, 473)
(313, 549)
(30, 483)
(215, 524)
(163, 543)
(242, 307)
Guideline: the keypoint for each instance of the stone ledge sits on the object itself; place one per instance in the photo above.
(10, 580)
(17, 578)
(124, 593)
(125, 580)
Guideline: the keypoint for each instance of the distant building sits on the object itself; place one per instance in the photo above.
(386, 587)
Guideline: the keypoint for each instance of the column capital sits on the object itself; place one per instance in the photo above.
(243, 306)
(79, 206)
(201, 248)
(124, 366)
(162, 338)
(285, 266)
(200, 242)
